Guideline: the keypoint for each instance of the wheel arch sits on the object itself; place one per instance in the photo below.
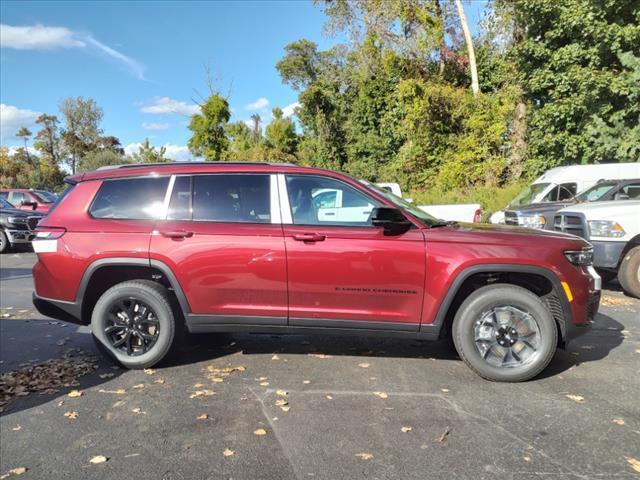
(539, 280)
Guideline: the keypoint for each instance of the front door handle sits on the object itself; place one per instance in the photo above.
(309, 237)
(176, 233)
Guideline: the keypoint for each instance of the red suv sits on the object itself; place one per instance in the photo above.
(26, 199)
(144, 253)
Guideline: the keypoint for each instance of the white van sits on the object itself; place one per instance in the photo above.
(563, 183)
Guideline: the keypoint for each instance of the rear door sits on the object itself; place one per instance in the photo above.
(223, 240)
(343, 271)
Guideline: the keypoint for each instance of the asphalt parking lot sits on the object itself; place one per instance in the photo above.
(259, 406)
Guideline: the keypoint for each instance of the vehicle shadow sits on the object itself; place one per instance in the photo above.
(12, 273)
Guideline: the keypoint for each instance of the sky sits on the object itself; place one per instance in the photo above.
(145, 62)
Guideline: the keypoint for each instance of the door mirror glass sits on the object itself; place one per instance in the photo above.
(392, 220)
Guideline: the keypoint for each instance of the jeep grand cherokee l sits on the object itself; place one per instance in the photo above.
(144, 253)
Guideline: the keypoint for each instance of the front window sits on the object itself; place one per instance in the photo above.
(596, 192)
(632, 191)
(528, 195)
(421, 215)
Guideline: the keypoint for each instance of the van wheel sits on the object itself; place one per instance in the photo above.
(4, 242)
(504, 333)
(629, 272)
(133, 323)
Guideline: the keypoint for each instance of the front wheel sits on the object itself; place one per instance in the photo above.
(629, 272)
(134, 324)
(4, 242)
(505, 333)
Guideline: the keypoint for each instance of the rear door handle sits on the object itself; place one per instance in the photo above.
(176, 233)
(309, 237)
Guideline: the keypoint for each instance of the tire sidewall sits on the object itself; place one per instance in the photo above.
(4, 242)
(503, 295)
(628, 274)
(158, 304)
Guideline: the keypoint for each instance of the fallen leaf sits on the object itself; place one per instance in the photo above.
(14, 471)
(526, 458)
(107, 375)
(16, 428)
(320, 355)
(260, 432)
(264, 384)
(406, 429)
(444, 390)
(329, 397)
(282, 393)
(202, 393)
(635, 464)
(120, 391)
(198, 385)
(98, 459)
(381, 394)
(204, 416)
(306, 382)
(364, 365)
(280, 402)
(262, 379)
(75, 393)
(619, 421)
(228, 452)
(149, 371)
(119, 403)
(138, 386)
(139, 411)
(575, 398)
(275, 357)
(71, 415)
(364, 456)
(444, 435)
(285, 408)
(159, 381)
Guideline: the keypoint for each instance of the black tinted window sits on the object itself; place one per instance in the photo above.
(136, 198)
(231, 198)
(180, 203)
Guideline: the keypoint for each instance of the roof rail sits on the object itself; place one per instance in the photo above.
(163, 164)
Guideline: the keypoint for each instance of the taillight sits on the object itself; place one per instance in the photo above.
(477, 215)
(46, 240)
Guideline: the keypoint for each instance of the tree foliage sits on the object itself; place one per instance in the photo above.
(208, 138)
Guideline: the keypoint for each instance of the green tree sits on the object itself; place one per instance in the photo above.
(25, 133)
(82, 127)
(100, 158)
(280, 134)
(208, 138)
(47, 139)
(147, 153)
(241, 142)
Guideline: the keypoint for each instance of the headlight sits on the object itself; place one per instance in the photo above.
(581, 258)
(605, 228)
(17, 220)
(531, 221)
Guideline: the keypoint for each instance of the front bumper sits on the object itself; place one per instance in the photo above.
(58, 309)
(20, 236)
(573, 331)
(607, 254)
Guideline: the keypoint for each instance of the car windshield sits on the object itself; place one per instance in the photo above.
(527, 196)
(596, 192)
(5, 204)
(423, 216)
(44, 196)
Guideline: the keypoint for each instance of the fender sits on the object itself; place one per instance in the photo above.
(438, 322)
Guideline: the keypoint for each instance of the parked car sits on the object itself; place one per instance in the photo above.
(25, 199)
(141, 252)
(16, 226)
(540, 215)
(469, 212)
(563, 183)
(613, 228)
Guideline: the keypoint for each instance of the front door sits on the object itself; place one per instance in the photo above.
(343, 271)
(225, 246)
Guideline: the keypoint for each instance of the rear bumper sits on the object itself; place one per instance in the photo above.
(66, 311)
(607, 254)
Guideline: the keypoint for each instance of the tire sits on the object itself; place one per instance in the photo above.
(494, 305)
(158, 322)
(606, 275)
(4, 242)
(629, 272)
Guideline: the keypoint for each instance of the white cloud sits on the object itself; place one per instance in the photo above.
(155, 126)
(37, 37)
(13, 118)
(290, 109)
(178, 153)
(166, 105)
(259, 104)
(41, 37)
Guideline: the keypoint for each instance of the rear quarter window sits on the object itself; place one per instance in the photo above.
(131, 199)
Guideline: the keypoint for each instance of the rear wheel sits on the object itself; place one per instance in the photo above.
(4, 242)
(505, 333)
(629, 272)
(134, 324)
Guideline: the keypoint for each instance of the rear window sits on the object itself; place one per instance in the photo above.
(131, 199)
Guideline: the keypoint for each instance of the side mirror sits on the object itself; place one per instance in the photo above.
(621, 196)
(27, 203)
(392, 220)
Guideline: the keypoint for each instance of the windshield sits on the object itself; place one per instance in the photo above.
(5, 204)
(44, 196)
(527, 196)
(596, 192)
(423, 216)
